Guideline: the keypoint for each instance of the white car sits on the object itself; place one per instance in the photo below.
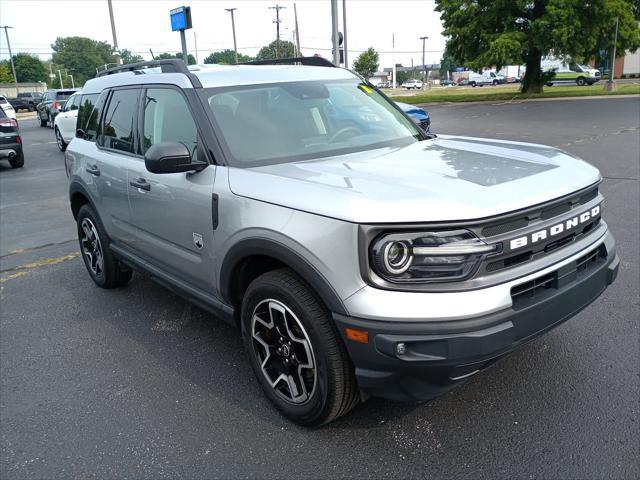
(64, 125)
(7, 107)
(409, 84)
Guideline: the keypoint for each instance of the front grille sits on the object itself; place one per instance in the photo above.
(537, 289)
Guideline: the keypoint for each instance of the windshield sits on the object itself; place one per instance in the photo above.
(285, 122)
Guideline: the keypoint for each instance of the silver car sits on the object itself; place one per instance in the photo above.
(357, 254)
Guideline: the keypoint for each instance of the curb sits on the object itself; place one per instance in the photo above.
(526, 100)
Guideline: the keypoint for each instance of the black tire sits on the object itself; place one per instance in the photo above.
(60, 141)
(473, 84)
(549, 84)
(112, 274)
(581, 81)
(495, 83)
(31, 108)
(18, 161)
(334, 391)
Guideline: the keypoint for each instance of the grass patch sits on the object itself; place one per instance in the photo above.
(511, 92)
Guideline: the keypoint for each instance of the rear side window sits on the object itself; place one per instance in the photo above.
(116, 130)
(89, 115)
(64, 94)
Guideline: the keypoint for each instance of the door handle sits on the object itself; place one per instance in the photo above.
(141, 183)
(93, 170)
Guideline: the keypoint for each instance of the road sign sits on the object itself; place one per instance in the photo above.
(180, 18)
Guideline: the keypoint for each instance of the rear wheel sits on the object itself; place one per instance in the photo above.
(60, 140)
(473, 84)
(294, 350)
(104, 268)
(581, 81)
(18, 161)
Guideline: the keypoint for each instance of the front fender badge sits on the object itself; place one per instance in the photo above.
(197, 241)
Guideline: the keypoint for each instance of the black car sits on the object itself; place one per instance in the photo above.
(10, 141)
(26, 101)
(52, 103)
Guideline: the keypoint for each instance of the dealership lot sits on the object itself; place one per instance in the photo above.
(136, 382)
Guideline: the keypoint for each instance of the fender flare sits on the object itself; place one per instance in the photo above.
(77, 187)
(284, 254)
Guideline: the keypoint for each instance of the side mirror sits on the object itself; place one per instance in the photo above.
(80, 133)
(170, 157)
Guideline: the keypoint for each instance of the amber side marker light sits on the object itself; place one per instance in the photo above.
(360, 336)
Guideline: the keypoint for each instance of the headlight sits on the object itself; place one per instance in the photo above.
(422, 257)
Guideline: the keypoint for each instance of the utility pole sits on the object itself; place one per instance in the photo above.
(60, 77)
(334, 32)
(115, 38)
(13, 67)
(424, 68)
(344, 29)
(295, 15)
(610, 85)
(277, 8)
(233, 29)
(73, 84)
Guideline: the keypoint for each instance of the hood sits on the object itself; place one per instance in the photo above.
(445, 179)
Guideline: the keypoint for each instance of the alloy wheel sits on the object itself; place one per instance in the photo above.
(91, 247)
(284, 351)
(59, 139)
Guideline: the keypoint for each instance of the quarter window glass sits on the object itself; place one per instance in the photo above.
(167, 119)
(89, 115)
(117, 124)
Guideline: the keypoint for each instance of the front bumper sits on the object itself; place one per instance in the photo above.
(437, 356)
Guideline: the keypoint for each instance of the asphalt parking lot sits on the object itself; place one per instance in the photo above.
(138, 383)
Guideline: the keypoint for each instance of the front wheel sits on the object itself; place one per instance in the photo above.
(295, 351)
(105, 270)
(473, 84)
(495, 83)
(581, 81)
(62, 145)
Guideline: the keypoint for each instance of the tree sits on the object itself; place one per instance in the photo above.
(494, 33)
(29, 68)
(191, 60)
(128, 56)
(285, 50)
(402, 76)
(227, 57)
(80, 56)
(447, 64)
(367, 63)
(6, 76)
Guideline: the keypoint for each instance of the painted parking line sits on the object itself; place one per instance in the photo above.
(22, 270)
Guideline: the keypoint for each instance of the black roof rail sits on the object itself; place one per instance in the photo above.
(172, 65)
(307, 61)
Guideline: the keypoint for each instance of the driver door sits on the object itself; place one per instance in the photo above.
(172, 212)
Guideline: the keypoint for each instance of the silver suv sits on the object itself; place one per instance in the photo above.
(358, 254)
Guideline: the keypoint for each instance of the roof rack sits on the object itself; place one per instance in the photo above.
(308, 61)
(167, 66)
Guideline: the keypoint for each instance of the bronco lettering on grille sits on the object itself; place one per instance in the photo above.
(554, 230)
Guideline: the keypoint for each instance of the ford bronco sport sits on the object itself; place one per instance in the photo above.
(358, 254)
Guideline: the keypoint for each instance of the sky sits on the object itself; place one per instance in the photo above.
(144, 24)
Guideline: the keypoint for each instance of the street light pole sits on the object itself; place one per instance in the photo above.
(344, 33)
(113, 31)
(13, 67)
(60, 77)
(277, 8)
(334, 33)
(73, 84)
(233, 28)
(424, 73)
(610, 85)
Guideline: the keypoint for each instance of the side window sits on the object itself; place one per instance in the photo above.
(117, 127)
(89, 115)
(72, 103)
(167, 118)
